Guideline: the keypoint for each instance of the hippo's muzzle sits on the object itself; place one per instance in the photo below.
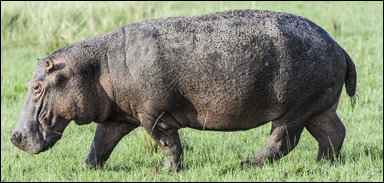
(33, 145)
(25, 143)
(30, 137)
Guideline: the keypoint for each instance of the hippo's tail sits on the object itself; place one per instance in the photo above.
(350, 78)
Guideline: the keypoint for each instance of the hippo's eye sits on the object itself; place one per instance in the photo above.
(36, 88)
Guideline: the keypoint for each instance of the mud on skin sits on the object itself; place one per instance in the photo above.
(225, 71)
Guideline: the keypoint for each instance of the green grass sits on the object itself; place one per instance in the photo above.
(31, 30)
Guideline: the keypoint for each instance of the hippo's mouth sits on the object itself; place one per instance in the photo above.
(47, 130)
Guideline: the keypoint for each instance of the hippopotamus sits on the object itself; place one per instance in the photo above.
(224, 71)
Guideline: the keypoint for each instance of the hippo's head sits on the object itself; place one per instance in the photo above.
(56, 95)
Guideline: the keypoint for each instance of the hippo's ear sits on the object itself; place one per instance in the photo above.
(48, 66)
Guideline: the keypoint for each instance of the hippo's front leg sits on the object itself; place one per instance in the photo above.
(107, 136)
(167, 137)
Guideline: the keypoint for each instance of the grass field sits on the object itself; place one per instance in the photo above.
(31, 30)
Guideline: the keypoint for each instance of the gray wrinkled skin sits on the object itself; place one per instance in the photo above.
(226, 71)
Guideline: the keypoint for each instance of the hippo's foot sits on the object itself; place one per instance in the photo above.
(253, 163)
(173, 162)
(167, 138)
(91, 162)
(92, 166)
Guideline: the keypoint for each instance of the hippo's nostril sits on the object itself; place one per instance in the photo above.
(15, 136)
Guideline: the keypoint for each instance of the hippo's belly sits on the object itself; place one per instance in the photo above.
(236, 107)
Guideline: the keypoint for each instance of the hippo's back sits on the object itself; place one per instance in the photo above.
(242, 68)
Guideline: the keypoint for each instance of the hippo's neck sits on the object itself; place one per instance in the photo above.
(88, 60)
(90, 50)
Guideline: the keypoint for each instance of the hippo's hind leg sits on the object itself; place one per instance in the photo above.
(167, 137)
(329, 132)
(283, 139)
(107, 136)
